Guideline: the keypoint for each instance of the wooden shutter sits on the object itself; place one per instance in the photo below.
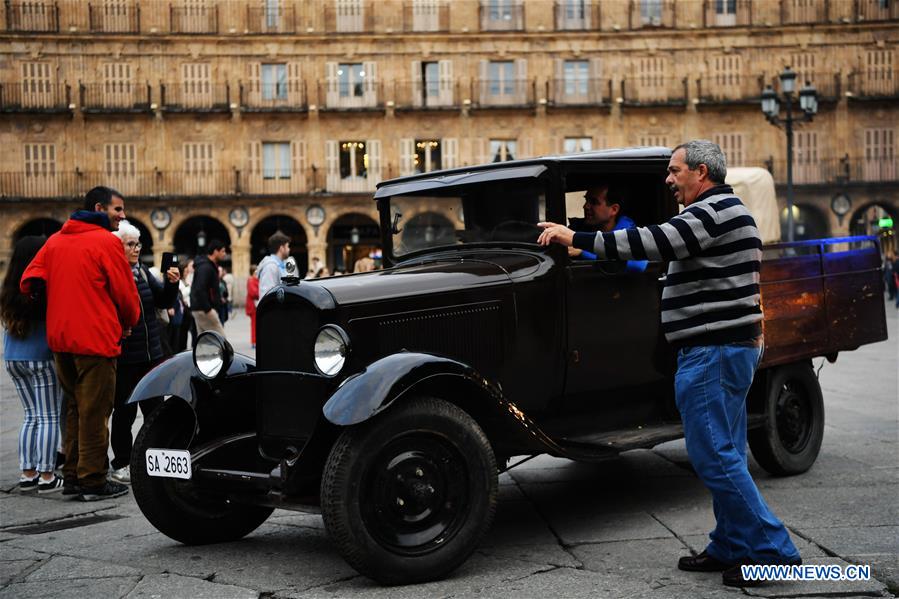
(333, 96)
(254, 82)
(450, 152)
(298, 164)
(596, 88)
(558, 84)
(373, 147)
(526, 148)
(481, 148)
(415, 83)
(445, 69)
(294, 84)
(521, 80)
(484, 81)
(407, 156)
(332, 162)
(371, 83)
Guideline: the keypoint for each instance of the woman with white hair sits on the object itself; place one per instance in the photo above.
(141, 351)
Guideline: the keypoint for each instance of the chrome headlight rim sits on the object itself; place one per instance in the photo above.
(225, 354)
(343, 338)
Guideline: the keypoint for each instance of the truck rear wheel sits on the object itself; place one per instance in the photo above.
(407, 497)
(790, 439)
(176, 507)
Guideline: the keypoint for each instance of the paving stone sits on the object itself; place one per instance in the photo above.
(856, 540)
(843, 507)
(22, 510)
(172, 586)
(818, 587)
(64, 567)
(806, 549)
(12, 569)
(885, 568)
(9, 552)
(107, 588)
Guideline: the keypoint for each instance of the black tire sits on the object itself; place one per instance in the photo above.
(407, 496)
(790, 440)
(174, 506)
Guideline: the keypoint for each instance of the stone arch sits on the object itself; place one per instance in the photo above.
(428, 229)
(867, 219)
(37, 226)
(352, 236)
(809, 222)
(186, 237)
(288, 225)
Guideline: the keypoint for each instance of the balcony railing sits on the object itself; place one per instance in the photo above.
(115, 97)
(654, 90)
(879, 84)
(740, 17)
(271, 19)
(191, 18)
(337, 184)
(502, 17)
(729, 88)
(114, 18)
(339, 97)
(35, 97)
(135, 184)
(578, 15)
(425, 16)
(195, 97)
(830, 171)
(35, 16)
(803, 11)
(425, 95)
(642, 15)
(273, 97)
(876, 10)
(579, 92)
(496, 93)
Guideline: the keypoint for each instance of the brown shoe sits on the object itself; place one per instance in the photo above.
(702, 563)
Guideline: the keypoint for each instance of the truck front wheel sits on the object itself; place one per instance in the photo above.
(790, 439)
(407, 496)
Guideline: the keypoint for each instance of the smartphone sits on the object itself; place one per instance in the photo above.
(169, 259)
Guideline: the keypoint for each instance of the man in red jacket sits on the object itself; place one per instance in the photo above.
(92, 303)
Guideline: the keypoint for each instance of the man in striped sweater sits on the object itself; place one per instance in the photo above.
(712, 315)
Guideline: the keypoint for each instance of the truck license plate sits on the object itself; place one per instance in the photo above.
(168, 463)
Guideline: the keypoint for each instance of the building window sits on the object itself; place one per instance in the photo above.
(353, 160)
(427, 155)
(425, 15)
(878, 76)
(502, 150)
(573, 145)
(726, 79)
(349, 15)
(198, 159)
(732, 146)
(880, 155)
(430, 75)
(805, 163)
(499, 10)
(725, 12)
(272, 12)
(651, 12)
(351, 79)
(37, 84)
(274, 81)
(573, 14)
(576, 77)
(40, 160)
(276, 160)
(116, 84)
(654, 141)
(501, 77)
(121, 160)
(196, 83)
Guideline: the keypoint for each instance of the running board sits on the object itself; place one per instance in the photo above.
(624, 439)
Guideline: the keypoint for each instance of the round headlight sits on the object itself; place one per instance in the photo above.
(331, 348)
(212, 354)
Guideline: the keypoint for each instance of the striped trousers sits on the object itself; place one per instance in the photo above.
(41, 398)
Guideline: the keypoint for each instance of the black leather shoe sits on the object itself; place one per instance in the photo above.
(733, 577)
(702, 563)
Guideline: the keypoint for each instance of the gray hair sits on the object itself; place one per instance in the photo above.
(126, 229)
(703, 151)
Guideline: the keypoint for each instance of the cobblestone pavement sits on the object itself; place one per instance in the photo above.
(562, 530)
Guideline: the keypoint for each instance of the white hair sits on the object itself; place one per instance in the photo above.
(126, 229)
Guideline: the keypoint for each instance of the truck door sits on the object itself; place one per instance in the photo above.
(613, 327)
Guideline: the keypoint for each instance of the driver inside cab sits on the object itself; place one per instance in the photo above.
(604, 211)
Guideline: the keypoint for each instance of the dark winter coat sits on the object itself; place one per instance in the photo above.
(204, 290)
(145, 342)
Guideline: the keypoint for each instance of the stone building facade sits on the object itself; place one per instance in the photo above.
(237, 118)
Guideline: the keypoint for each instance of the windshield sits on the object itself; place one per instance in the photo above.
(495, 212)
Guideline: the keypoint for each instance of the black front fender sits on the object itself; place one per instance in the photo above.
(175, 377)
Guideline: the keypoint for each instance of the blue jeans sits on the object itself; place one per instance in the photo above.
(710, 389)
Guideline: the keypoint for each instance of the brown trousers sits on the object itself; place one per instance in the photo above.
(89, 381)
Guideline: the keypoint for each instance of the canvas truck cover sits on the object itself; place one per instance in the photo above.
(755, 187)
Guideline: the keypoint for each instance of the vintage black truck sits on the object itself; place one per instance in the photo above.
(391, 400)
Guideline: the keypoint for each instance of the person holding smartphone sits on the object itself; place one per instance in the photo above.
(142, 350)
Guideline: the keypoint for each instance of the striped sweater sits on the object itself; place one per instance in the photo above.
(711, 294)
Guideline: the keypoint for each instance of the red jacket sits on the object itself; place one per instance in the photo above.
(91, 294)
(252, 295)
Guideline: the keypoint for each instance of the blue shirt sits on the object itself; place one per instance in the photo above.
(625, 222)
(32, 348)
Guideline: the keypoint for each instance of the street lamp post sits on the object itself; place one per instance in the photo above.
(808, 103)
